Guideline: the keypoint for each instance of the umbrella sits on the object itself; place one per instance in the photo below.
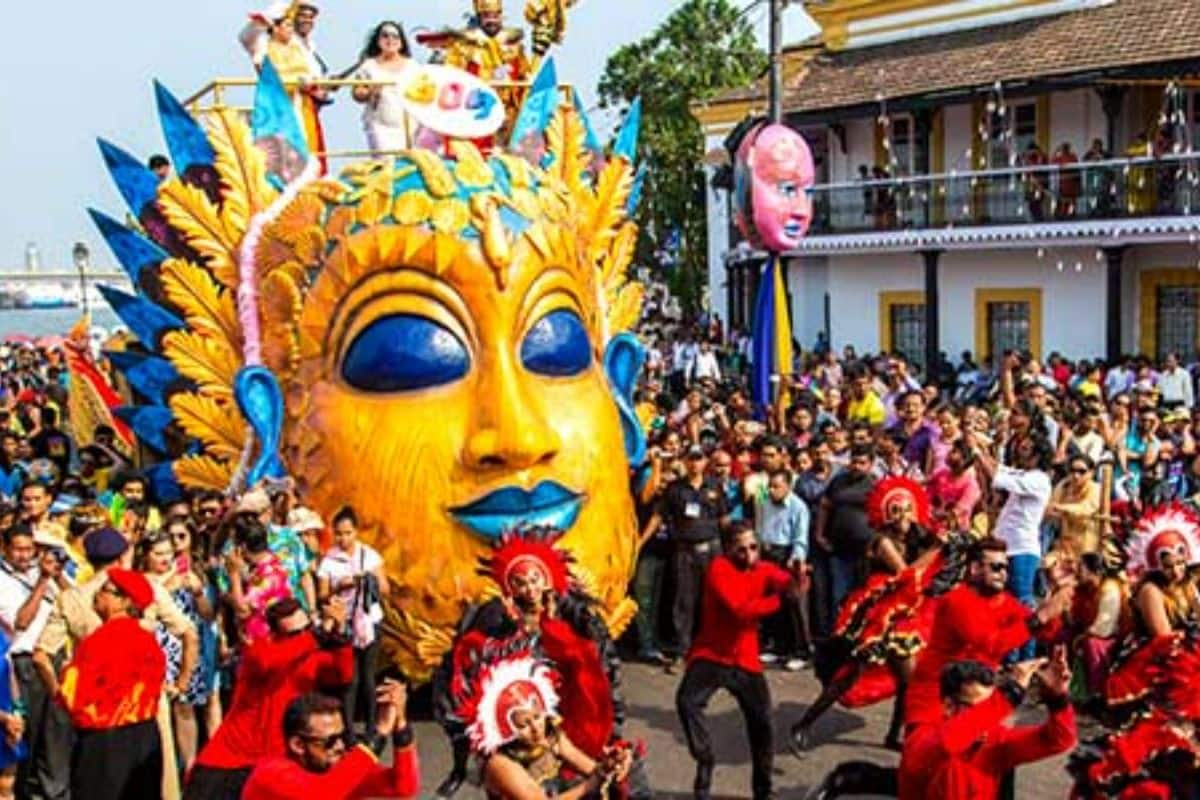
(18, 338)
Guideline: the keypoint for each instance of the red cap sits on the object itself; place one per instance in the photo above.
(133, 585)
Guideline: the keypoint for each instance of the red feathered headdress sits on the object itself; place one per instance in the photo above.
(892, 491)
(507, 678)
(1172, 529)
(525, 550)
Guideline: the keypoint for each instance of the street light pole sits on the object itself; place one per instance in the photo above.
(81, 256)
(775, 109)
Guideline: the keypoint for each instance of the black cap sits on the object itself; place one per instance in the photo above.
(104, 544)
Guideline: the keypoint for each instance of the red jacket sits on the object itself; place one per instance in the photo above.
(733, 602)
(966, 627)
(273, 673)
(357, 775)
(965, 757)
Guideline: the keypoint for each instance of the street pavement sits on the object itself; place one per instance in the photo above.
(840, 735)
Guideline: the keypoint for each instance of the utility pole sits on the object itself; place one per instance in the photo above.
(775, 110)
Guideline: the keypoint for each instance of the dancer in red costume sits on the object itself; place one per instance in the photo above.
(978, 621)
(508, 699)
(1153, 702)
(883, 624)
(966, 753)
(539, 597)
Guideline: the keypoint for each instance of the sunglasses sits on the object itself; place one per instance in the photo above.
(179, 537)
(996, 567)
(1080, 471)
(326, 742)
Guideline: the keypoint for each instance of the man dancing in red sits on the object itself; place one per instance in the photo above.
(978, 621)
(967, 752)
(740, 590)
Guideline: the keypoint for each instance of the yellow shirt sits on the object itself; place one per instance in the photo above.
(870, 410)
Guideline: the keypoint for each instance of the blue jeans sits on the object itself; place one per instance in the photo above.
(1022, 569)
(843, 577)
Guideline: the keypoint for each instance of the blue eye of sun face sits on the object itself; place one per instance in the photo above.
(404, 352)
(557, 345)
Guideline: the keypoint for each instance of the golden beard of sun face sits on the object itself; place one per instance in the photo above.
(405, 458)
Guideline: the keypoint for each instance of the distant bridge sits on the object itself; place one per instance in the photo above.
(24, 277)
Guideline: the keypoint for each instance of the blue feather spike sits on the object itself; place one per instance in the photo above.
(538, 107)
(591, 140)
(151, 376)
(274, 113)
(134, 251)
(147, 321)
(635, 193)
(186, 140)
(137, 184)
(163, 482)
(149, 424)
(627, 138)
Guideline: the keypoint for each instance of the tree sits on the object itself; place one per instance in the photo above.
(702, 49)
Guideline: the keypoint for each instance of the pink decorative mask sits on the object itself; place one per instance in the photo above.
(773, 171)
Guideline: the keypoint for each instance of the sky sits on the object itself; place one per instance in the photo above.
(77, 70)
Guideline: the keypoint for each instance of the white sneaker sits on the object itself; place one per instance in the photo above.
(795, 664)
(768, 658)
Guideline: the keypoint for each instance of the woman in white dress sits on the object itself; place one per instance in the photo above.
(386, 58)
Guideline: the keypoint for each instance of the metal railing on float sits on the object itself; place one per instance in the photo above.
(1115, 188)
(214, 96)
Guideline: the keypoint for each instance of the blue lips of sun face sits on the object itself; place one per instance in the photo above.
(549, 504)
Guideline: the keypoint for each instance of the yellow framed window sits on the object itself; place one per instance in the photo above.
(1008, 319)
(902, 325)
(1170, 312)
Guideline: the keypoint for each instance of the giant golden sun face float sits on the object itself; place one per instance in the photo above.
(433, 339)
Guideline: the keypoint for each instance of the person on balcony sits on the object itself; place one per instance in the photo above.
(386, 58)
(1139, 186)
(1065, 161)
(1098, 180)
(1035, 181)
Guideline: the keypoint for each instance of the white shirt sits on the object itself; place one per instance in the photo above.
(15, 588)
(707, 366)
(1176, 387)
(338, 565)
(1021, 518)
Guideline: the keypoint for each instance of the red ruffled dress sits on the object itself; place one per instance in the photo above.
(891, 616)
(1153, 692)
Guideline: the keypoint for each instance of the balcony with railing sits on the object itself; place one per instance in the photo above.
(1166, 186)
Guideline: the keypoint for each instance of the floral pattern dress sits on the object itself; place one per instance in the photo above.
(201, 683)
(267, 584)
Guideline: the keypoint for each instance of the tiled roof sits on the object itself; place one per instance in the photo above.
(1126, 33)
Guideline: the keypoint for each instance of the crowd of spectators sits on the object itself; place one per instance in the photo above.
(248, 604)
(254, 602)
(1047, 456)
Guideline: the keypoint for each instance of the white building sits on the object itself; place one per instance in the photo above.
(960, 245)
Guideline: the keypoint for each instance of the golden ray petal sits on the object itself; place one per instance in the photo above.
(450, 215)
(203, 472)
(205, 305)
(218, 425)
(412, 208)
(211, 363)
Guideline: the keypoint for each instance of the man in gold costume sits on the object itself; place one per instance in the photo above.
(487, 49)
